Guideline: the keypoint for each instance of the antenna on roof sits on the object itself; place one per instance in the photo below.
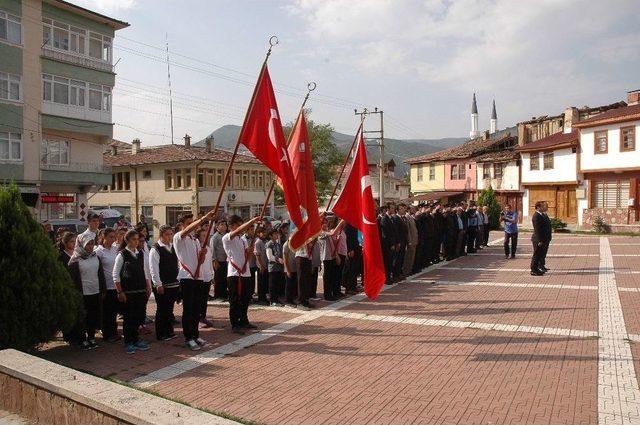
(169, 80)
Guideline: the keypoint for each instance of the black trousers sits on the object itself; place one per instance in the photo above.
(451, 245)
(110, 306)
(471, 238)
(460, 242)
(203, 298)
(543, 256)
(92, 308)
(164, 311)
(341, 276)
(399, 261)
(220, 281)
(263, 285)
(539, 252)
(352, 269)
(291, 288)
(304, 280)
(240, 292)
(329, 278)
(313, 286)
(134, 312)
(486, 234)
(191, 306)
(513, 238)
(276, 282)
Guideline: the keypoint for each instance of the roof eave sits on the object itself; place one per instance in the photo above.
(112, 22)
(616, 120)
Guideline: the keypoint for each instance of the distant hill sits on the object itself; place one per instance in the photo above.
(398, 149)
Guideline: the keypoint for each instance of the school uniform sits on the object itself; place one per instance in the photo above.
(220, 275)
(303, 262)
(260, 254)
(238, 279)
(187, 250)
(291, 281)
(328, 252)
(89, 278)
(163, 265)
(341, 250)
(110, 304)
(275, 270)
(129, 270)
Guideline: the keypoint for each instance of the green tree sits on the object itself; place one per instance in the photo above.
(37, 295)
(488, 198)
(325, 154)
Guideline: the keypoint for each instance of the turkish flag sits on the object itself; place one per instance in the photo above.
(302, 167)
(355, 206)
(262, 134)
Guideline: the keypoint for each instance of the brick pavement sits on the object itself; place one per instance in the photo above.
(477, 340)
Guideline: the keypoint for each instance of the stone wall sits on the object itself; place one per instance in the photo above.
(619, 219)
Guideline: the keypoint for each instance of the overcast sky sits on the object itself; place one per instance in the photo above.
(420, 61)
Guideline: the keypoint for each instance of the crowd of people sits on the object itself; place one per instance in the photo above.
(118, 268)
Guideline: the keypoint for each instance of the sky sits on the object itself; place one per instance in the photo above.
(418, 60)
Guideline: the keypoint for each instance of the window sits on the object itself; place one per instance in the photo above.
(10, 28)
(486, 171)
(245, 179)
(146, 174)
(187, 177)
(10, 87)
(462, 171)
(419, 171)
(260, 179)
(627, 139)
(219, 177)
(534, 163)
(10, 146)
(201, 177)
(454, 172)
(55, 152)
(168, 179)
(610, 194)
(547, 160)
(601, 142)
(236, 179)
(100, 47)
(74, 92)
(173, 214)
(432, 171)
(61, 36)
(147, 212)
(210, 177)
(253, 179)
(121, 181)
(498, 169)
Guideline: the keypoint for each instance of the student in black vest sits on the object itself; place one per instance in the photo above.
(163, 263)
(133, 290)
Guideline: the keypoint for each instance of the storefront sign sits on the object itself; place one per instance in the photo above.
(57, 199)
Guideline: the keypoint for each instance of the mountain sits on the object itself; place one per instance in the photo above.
(399, 149)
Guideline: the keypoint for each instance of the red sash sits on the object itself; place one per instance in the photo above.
(184, 266)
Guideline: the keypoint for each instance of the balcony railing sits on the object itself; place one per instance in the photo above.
(78, 167)
(75, 59)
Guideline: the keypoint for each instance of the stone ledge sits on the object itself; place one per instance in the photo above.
(124, 404)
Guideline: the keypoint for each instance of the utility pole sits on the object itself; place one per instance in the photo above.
(169, 80)
(380, 144)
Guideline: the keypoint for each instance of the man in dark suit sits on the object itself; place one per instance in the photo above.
(540, 239)
(388, 241)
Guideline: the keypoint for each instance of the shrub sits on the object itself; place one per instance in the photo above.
(37, 295)
(557, 224)
(488, 198)
(600, 226)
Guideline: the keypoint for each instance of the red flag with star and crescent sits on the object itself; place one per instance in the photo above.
(302, 167)
(355, 205)
(262, 134)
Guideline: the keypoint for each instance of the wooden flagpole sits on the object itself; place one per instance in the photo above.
(273, 41)
(346, 160)
(310, 87)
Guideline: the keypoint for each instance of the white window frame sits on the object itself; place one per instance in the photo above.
(81, 37)
(50, 146)
(10, 139)
(11, 79)
(15, 20)
(77, 91)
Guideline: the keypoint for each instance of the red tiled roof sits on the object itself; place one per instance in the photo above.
(172, 153)
(556, 140)
(626, 113)
(503, 155)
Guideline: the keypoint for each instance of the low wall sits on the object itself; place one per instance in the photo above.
(618, 219)
(47, 393)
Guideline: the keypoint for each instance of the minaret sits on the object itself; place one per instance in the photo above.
(494, 118)
(474, 119)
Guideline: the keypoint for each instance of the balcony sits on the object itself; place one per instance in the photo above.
(76, 59)
(77, 112)
(77, 173)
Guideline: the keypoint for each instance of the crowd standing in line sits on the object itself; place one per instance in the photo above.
(116, 269)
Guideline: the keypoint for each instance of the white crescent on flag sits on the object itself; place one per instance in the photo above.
(365, 182)
(272, 130)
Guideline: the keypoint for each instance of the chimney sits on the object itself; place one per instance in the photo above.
(633, 97)
(571, 117)
(187, 141)
(209, 144)
(485, 135)
(135, 146)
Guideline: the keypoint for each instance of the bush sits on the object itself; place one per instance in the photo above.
(600, 226)
(558, 225)
(37, 295)
(488, 198)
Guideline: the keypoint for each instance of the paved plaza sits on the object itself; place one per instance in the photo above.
(473, 341)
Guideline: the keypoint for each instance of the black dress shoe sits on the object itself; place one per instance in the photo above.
(536, 273)
(544, 269)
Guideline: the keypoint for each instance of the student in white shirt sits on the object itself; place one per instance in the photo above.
(133, 289)
(190, 257)
(107, 253)
(207, 275)
(93, 222)
(240, 287)
(163, 266)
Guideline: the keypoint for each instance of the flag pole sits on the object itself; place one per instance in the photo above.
(273, 41)
(344, 165)
(310, 87)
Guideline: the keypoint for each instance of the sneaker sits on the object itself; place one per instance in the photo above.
(93, 344)
(144, 330)
(249, 326)
(168, 337)
(141, 345)
(130, 349)
(85, 346)
(275, 304)
(201, 342)
(237, 330)
(192, 345)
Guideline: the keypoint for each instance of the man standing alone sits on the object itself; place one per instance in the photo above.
(540, 239)
(510, 220)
